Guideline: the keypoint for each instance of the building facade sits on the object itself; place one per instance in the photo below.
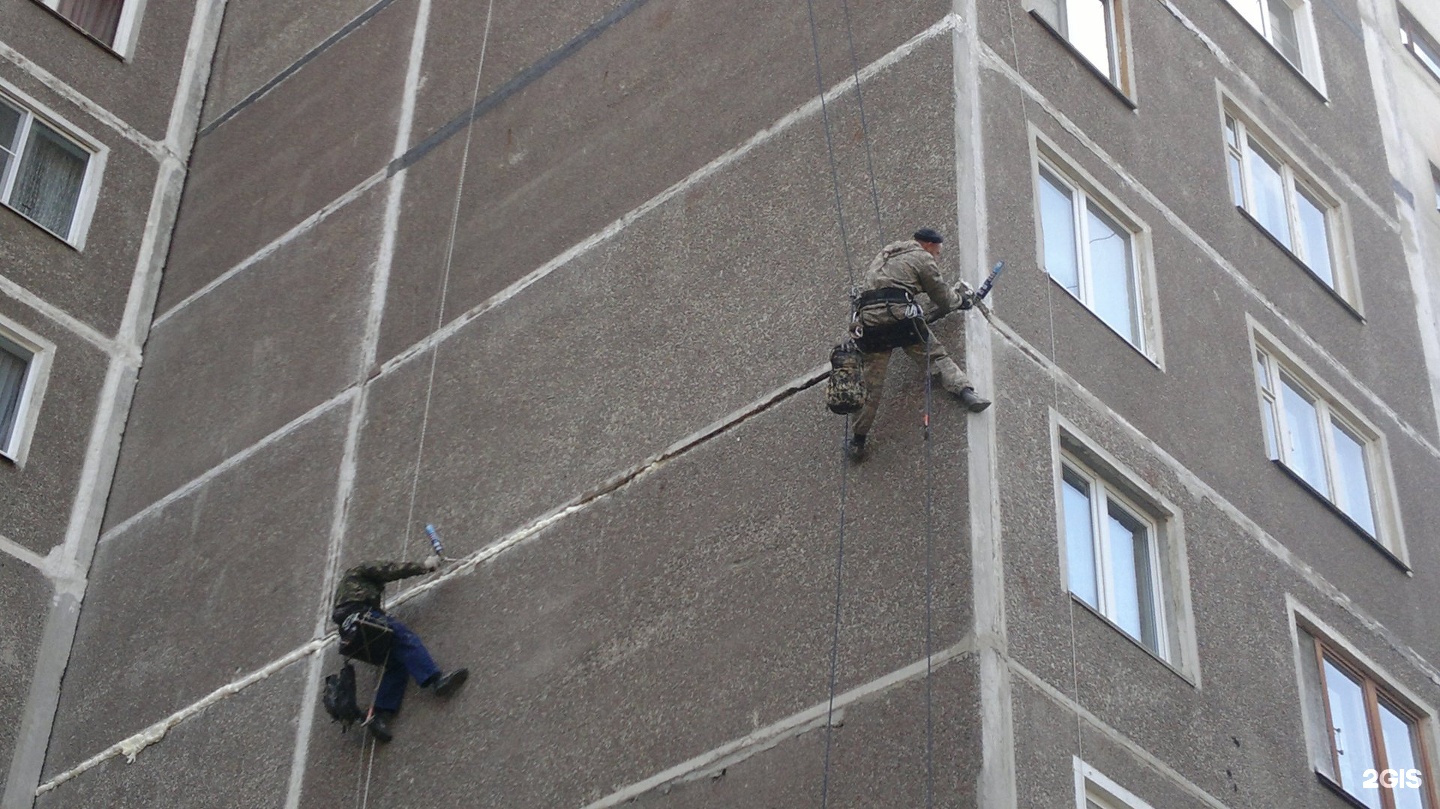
(283, 285)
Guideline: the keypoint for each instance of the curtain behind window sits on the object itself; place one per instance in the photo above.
(48, 186)
(12, 382)
(98, 18)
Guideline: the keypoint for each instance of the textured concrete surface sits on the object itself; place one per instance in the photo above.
(310, 140)
(686, 609)
(262, 39)
(35, 501)
(202, 592)
(24, 601)
(577, 149)
(263, 349)
(235, 753)
(139, 89)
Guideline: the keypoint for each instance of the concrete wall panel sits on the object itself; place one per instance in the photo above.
(25, 597)
(233, 754)
(35, 501)
(544, 173)
(689, 607)
(311, 139)
(200, 593)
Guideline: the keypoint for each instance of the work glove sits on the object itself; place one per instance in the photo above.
(432, 562)
(967, 295)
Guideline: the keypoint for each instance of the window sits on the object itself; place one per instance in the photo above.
(1094, 791)
(1289, 207)
(104, 20)
(1112, 556)
(1090, 252)
(24, 368)
(1306, 432)
(1419, 43)
(1285, 24)
(42, 172)
(1093, 28)
(1377, 754)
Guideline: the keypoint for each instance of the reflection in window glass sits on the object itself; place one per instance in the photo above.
(1303, 437)
(1111, 274)
(1088, 24)
(1079, 541)
(1350, 734)
(1282, 31)
(1057, 222)
(1313, 237)
(1268, 195)
(1351, 478)
(1399, 735)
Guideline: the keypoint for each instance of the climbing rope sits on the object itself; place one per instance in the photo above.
(929, 579)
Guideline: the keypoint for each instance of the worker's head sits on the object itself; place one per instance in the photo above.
(930, 239)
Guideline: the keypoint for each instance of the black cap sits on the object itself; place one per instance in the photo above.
(929, 235)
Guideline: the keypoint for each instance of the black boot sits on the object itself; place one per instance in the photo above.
(379, 726)
(445, 684)
(856, 447)
(972, 400)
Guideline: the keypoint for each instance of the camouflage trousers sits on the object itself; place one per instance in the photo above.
(878, 362)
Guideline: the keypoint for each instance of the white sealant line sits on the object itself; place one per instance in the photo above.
(1293, 130)
(156, 149)
(795, 725)
(304, 226)
(229, 463)
(1164, 770)
(1202, 490)
(15, 550)
(61, 318)
(359, 408)
(996, 63)
(131, 746)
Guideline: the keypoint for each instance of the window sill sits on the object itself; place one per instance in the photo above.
(1137, 349)
(1345, 518)
(1299, 262)
(100, 43)
(1174, 669)
(1304, 77)
(1085, 63)
(47, 231)
(1329, 783)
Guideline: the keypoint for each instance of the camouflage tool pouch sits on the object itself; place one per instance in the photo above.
(846, 391)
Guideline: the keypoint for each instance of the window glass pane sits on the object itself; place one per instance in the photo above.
(1352, 478)
(1282, 30)
(1351, 735)
(14, 363)
(9, 133)
(1057, 223)
(98, 18)
(1262, 372)
(1399, 735)
(1267, 194)
(1237, 188)
(1088, 23)
(1250, 9)
(1079, 539)
(1313, 235)
(1302, 437)
(1232, 132)
(48, 186)
(1111, 282)
(1134, 584)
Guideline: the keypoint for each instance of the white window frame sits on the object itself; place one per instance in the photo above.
(1310, 637)
(126, 30)
(1055, 15)
(1293, 180)
(1310, 62)
(1092, 786)
(1419, 43)
(1086, 191)
(1175, 619)
(30, 111)
(1331, 408)
(32, 394)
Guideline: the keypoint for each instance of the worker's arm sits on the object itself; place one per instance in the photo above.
(927, 272)
(390, 571)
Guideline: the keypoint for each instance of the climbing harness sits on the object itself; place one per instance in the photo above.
(365, 637)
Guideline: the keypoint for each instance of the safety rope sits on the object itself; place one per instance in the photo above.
(363, 796)
(929, 578)
(864, 128)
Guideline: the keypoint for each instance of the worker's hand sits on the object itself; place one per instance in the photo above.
(967, 295)
(432, 562)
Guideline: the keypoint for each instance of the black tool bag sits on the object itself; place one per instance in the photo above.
(339, 698)
(846, 391)
(887, 318)
(366, 637)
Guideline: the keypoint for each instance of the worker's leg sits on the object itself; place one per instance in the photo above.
(408, 658)
(876, 364)
(951, 377)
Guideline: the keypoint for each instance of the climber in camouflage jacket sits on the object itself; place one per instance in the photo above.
(364, 584)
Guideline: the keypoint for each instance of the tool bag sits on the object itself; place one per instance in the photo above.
(339, 698)
(366, 637)
(845, 392)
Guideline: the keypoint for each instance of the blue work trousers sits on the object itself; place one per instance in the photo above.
(408, 658)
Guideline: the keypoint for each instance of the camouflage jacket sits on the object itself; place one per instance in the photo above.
(365, 582)
(906, 265)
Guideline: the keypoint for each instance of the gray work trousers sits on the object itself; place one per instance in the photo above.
(878, 362)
